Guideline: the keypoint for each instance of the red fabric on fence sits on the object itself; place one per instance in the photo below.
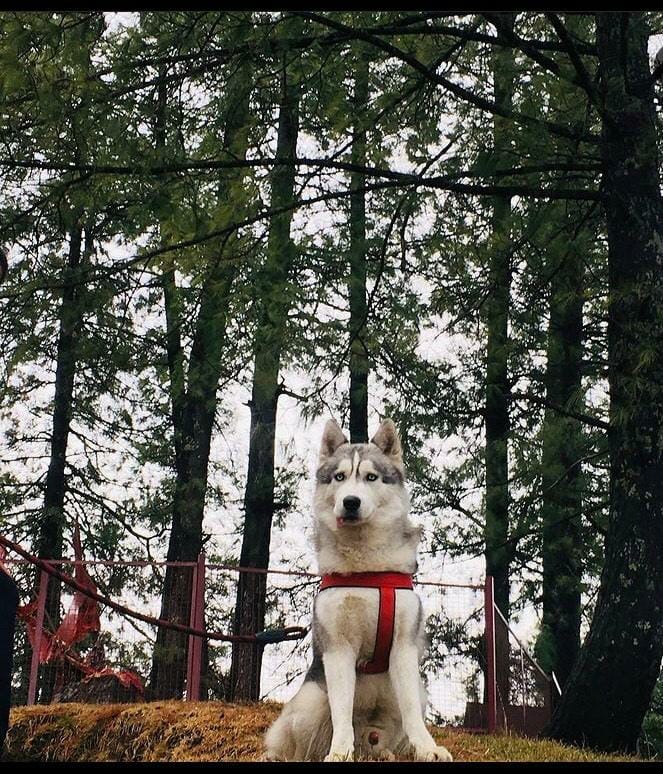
(83, 614)
(81, 618)
(126, 677)
(28, 614)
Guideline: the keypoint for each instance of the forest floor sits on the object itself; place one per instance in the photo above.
(212, 731)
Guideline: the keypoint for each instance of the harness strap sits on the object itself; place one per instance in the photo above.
(386, 583)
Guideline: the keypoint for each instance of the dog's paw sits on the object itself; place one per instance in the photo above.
(432, 754)
(385, 755)
(271, 755)
(335, 756)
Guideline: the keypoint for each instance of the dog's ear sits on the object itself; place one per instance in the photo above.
(387, 439)
(332, 438)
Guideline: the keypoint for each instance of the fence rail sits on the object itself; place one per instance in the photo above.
(470, 681)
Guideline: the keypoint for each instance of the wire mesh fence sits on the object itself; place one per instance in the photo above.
(120, 658)
(454, 666)
(525, 694)
(289, 601)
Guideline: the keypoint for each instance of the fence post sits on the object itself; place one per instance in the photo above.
(196, 621)
(491, 681)
(39, 628)
(554, 692)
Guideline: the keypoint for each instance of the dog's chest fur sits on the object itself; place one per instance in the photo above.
(348, 617)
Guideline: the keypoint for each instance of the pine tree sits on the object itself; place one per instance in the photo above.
(274, 297)
(610, 687)
(359, 359)
(498, 548)
(194, 395)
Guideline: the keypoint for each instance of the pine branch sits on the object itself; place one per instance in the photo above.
(459, 91)
(212, 165)
(583, 76)
(584, 418)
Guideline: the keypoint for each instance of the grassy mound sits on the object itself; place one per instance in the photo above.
(211, 731)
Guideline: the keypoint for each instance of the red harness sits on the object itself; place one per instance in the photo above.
(387, 583)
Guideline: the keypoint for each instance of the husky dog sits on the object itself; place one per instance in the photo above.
(361, 526)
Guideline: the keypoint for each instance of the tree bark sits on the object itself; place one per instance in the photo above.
(498, 551)
(52, 522)
(274, 299)
(562, 449)
(561, 506)
(610, 687)
(359, 367)
(193, 408)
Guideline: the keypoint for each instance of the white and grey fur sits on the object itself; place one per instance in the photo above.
(336, 709)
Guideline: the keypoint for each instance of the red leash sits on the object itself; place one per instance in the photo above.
(387, 583)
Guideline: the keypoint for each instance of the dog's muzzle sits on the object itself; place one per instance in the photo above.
(350, 515)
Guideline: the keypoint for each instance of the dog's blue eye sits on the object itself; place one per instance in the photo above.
(339, 476)
(371, 477)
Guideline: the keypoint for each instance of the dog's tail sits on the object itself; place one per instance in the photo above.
(290, 739)
(280, 740)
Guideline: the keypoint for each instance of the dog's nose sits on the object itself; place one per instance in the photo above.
(351, 504)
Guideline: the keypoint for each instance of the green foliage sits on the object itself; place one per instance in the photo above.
(545, 649)
(651, 737)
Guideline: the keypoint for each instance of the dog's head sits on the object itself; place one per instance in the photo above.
(360, 483)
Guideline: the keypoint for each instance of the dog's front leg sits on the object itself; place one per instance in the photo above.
(341, 677)
(405, 678)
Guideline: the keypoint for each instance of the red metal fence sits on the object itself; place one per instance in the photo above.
(471, 682)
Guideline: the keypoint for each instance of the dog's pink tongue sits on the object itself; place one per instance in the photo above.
(340, 521)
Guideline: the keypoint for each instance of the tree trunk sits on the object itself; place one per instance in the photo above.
(193, 408)
(561, 512)
(171, 297)
(359, 367)
(52, 522)
(498, 552)
(610, 687)
(273, 296)
(562, 450)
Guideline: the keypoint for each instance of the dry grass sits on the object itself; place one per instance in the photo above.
(211, 731)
